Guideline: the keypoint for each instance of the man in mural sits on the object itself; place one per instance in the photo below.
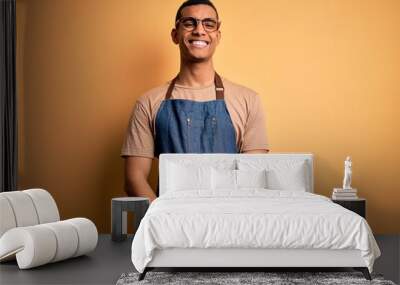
(196, 112)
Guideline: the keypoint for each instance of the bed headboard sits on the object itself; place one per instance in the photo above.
(213, 159)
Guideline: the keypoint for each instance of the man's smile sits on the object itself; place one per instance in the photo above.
(198, 43)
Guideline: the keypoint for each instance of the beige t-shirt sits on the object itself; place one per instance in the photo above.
(243, 104)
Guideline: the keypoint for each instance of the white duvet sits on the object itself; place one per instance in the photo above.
(250, 218)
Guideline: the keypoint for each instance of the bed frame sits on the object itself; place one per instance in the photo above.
(248, 259)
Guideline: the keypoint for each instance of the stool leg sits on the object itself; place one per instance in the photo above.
(139, 210)
(124, 221)
(138, 215)
(117, 222)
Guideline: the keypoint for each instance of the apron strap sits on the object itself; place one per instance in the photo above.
(219, 87)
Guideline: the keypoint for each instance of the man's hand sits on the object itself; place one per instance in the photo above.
(137, 170)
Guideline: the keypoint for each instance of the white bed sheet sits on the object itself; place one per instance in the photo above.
(250, 218)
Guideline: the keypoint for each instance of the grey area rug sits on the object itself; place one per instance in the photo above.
(231, 278)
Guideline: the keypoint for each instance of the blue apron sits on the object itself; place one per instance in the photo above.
(187, 126)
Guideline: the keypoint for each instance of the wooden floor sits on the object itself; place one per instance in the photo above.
(111, 259)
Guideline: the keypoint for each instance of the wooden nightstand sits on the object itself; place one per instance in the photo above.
(356, 205)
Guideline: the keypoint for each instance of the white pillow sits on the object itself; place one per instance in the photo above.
(223, 179)
(281, 174)
(182, 177)
(251, 178)
(236, 179)
(287, 179)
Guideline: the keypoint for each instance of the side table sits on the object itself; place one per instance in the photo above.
(357, 205)
(119, 207)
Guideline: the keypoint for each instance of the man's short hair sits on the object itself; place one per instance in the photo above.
(191, 3)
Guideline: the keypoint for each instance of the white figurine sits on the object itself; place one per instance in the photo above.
(347, 174)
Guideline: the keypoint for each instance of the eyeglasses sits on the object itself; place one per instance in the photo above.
(190, 24)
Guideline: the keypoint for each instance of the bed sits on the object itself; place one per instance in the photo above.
(247, 211)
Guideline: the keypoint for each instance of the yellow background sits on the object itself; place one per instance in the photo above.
(328, 73)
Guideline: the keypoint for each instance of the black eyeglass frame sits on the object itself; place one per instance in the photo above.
(195, 20)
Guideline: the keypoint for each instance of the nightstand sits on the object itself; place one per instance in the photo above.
(357, 205)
